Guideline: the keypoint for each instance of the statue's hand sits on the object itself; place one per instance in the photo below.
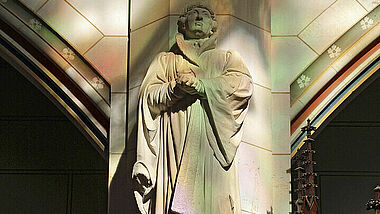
(142, 180)
(188, 82)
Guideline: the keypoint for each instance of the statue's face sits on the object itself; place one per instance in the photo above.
(198, 24)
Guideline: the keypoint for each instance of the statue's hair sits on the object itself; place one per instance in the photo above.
(181, 23)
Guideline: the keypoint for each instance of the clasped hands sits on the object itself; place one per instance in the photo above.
(188, 82)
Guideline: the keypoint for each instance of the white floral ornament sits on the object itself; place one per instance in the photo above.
(303, 81)
(97, 83)
(334, 51)
(68, 54)
(366, 23)
(35, 24)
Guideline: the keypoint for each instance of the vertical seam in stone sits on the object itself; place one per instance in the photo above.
(128, 54)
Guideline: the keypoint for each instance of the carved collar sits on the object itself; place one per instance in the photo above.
(193, 49)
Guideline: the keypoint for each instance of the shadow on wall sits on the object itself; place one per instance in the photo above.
(122, 199)
(145, 45)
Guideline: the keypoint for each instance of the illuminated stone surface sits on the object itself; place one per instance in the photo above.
(220, 6)
(255, 178)
(284, 68)
(257, 126)
(281, 185)
(145, 43)
(369, 4)
(280, 123)
(69, 24)
(109, 56)
(157, 10)
(331, 24)
(236, 34)
(118, 123)
(289, 17)
(110, 17)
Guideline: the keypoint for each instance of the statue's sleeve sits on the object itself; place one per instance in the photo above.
(226, 104)
(158, 88)
(157, 93)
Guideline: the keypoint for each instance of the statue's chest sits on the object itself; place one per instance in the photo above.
(211, 65)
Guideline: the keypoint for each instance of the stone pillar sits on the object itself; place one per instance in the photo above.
(281, 129)
(116, 66)
(117, 171)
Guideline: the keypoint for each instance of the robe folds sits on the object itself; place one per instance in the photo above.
(187, 143)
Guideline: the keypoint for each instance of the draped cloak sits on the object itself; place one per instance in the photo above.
(187, 143)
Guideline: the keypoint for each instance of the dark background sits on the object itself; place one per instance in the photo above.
(348, 154)
(46, 164)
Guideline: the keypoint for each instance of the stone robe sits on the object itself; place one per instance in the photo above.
(188, 143)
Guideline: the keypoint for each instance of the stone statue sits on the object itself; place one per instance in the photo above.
(192, 104)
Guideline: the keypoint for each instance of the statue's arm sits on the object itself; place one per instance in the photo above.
(226, 105)
(234, 78)
(233, 83)
(159, 87)
(162, 96)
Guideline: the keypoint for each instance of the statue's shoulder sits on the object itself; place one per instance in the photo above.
(227, 53)
(163, 57)
(215, 53)
(233, 55)
(164, 54)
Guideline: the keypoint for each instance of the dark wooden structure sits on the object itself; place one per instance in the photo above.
(307, 201)
(374, 204)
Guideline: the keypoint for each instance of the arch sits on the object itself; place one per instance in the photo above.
(35, 50)
(324, 82)
(340, 90)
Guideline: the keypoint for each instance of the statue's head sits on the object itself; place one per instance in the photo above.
(197, 21)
